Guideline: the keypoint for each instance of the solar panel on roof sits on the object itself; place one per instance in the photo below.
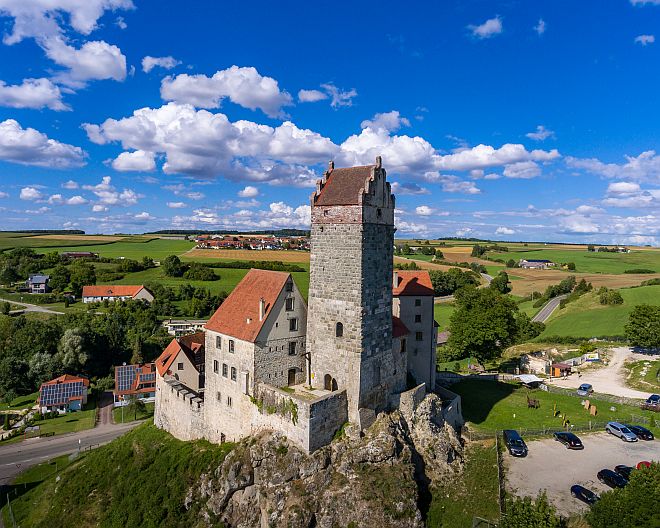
(60, 393)
(125, 377)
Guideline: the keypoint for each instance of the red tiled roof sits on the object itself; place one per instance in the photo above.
(344, 186)
(398, 328)
(190, 345)
(412, 283)
(115, 290)
(242, 304)
(67, 378)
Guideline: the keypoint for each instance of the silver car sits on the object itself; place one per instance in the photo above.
(621, 431)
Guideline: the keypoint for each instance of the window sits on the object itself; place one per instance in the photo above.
(418, 302)
(418, 318)
(215, 366)
(293, 324)
(289, 304)
(229, 402)
(224, 369)
(233, 373)
(231, 346)
(419, 336)
(292, 348)
(179, 366)
(289, 286)
(339, 330)
(218, 396)
(218, 342)
(403, 346)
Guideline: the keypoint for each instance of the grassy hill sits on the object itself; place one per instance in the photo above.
(586, 317)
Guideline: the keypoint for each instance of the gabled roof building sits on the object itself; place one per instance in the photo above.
(62, 394)
(135, 381)
(116, 292)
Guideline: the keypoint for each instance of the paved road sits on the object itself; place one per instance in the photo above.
(548, 308)
(31, 307)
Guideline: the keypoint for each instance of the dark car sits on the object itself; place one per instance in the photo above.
(624, 471)
(570, 440)
(612, 479)
(584, 494)
(514, 443)
(641, 432)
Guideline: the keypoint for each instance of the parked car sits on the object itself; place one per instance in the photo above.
(653, 399)
(585, 389)
(624, 471)
(640, 432)
(570, 440)
(514, 443)
(584, 494)
(612, 479)
(621, 431)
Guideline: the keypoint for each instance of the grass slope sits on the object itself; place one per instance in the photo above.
(441, 313)
(586, 317)
(140, 479)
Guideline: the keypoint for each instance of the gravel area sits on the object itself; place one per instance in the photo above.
(550, 466)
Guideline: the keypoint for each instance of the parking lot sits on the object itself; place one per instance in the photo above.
(550, 466)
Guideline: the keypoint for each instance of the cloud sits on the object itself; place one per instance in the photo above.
(121, 23)
(249, 192)
(408, 188)
(486, 156)
(76, 200)
(541, 134)
(177, 205)
(242, 86)
(167, 63)
(622, 188)
(522, 170)
(504, 231)
(645, 167)
(30, 194)
(631, 195)
(578, 224)
(339, 97)
(389, 121)
(70, 185)
(540, 27)
(109, 195)
(196, 195)
(490, 28)
(28, 146)
(424, 210)
(32, 93)
(144, 216)
(4, 194)
(278, 215)
(311, 96)
(644, 2)
(464, 231)
(136, 161)
(645, 40)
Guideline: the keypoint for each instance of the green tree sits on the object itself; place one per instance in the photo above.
(72, 351)
(8, 275)
(147, 262)
(510, 263)
(406, 249)
(527, 329)
(447, 282)
(60, 278)
(530, 513)
(197, 271)
(5, 308)
(632, 506)
(483, 323)
(571, 266)
(611, 297)
(172, 266)
(82, 274)
(643, 327)
(501, 282)
(591, 247)
(439, 255)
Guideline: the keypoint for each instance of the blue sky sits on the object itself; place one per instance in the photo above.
(504, 120)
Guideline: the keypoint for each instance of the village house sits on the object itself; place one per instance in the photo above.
(134, 382)
(179, 327)
(38, 283)
(535, 263)
(116, 292)
(63, 394)
(184, 361)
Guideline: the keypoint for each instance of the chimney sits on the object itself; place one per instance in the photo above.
(395, 281)
(262, 309)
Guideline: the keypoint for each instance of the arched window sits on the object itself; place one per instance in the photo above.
(339, 330)
(327, 382)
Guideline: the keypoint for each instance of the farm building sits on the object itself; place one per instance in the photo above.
(116, 293)
(535, 263)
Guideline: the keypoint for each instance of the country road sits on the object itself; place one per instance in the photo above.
(548, 308)
(31, 307)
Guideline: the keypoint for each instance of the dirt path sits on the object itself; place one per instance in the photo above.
(610, 379)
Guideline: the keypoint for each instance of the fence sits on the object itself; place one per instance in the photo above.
(478, 522)
(596, 396)
(500, 475)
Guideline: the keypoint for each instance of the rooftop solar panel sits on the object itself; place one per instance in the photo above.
(60, 393)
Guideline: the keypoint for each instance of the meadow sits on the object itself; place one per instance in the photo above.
(586, 317)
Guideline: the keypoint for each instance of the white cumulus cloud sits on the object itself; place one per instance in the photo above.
(136, 161)
(490, 28)
(167, 63)
(177, 205)
(502, 230)
(389, 121)
(249, 192)
(31, 194)
(311, 96)
(645, 40)
(32, 93)
(541, 134)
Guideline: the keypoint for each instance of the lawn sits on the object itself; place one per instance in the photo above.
(644, 375)
(528, 308)
(128, 416)
(473, 494)
(71, 422)
(21, 402)
(586, 317)
(157, 249)
(441, 313)
(590, 262)
(492, 406)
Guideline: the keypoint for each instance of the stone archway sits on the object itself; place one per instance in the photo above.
(327, 382)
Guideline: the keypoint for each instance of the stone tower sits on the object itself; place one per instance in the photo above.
(349, 320)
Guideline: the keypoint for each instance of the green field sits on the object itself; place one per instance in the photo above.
(491, 406)
(157, 249)
(127, 416)
(586, 317)
(441, 313)
(69, 423)
(21, 402)
(528, 308)
(590, 262)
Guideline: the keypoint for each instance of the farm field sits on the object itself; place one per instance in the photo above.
(246, 254)
(590, 262)
(157, 249)
(586, 317)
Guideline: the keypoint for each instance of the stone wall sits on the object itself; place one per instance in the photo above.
(451, 407)
(178, 410)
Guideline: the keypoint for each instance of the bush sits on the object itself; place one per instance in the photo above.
(639, 270)
(200, 272)
(611, 297)
(272, 265)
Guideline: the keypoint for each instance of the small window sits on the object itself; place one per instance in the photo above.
(292, 348)
(231, 346)
(218, 396)
(403, 346)
(229, 402)
(289, 304)
(179, 366)
(215, 366)
(339, 330)
(293, 324)
(419, 336)
(379, 213)
(218, 342)
(289, 286)
(418, 318)
(225, 369)
(233, 373)
(418, 302)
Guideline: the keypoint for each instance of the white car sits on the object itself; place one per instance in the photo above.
(621, 431)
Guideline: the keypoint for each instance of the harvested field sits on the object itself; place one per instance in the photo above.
(422, 264)
(246, 254)
(90, 238)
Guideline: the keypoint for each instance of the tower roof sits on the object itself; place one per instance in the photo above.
(344, 186)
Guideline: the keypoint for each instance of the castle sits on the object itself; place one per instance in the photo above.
(267, 360)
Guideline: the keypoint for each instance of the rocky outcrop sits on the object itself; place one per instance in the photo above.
(379, 477)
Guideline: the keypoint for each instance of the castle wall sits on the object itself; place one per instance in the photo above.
(178, 411)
